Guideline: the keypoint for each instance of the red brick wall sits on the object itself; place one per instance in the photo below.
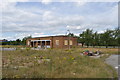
(61, 42)
(74, 42)
(53, 41)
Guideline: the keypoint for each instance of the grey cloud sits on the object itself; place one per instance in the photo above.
(18, 20)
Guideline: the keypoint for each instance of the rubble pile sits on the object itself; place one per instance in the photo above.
(91, 54)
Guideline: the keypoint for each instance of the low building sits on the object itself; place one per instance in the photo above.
(52, 42)
(4, 40)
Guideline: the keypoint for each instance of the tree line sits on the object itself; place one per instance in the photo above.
(16, 42)
(87, 38)
(107, 38)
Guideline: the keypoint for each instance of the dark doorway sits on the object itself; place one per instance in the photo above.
(31, 44)
(43, 44)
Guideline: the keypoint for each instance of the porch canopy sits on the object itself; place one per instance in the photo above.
(43, 43)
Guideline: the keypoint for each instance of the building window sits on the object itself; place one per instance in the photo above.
(57, 42)
(65, 42)
(38, 42)
(47, 42)
(70, 42)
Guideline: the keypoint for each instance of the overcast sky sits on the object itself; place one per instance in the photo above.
(20, 19)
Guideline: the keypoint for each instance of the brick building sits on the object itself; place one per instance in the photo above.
(52, 42)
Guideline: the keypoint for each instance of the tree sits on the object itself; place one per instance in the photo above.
(71, 35)
(107, 37)
(24, 39)
(86, 37)
(81, 38)
(116, 36)
(18, 41)
(95, 39)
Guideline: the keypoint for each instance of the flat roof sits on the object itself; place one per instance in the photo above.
(40, 40)
(52, 36)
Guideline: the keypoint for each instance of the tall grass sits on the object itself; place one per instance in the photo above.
(54, 63)
(12, 46)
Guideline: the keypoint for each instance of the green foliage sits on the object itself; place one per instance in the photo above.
(17, 42)
(86, 37)
(71, 34)
(108, 38)
(24, 39)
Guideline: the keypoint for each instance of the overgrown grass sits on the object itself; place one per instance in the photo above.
(12, 46)
(103, 50)
(54, 63)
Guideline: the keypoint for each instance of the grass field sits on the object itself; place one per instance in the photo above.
(12, 46)
(56, 63)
